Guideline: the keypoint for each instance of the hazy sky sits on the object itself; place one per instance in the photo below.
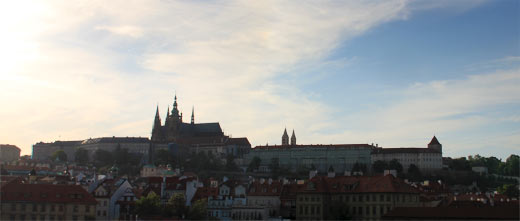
(388, 72)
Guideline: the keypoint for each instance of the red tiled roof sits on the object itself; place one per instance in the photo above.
(265, 189)
(480, 213)
(46, 193)
(357, 184)
(405, 150)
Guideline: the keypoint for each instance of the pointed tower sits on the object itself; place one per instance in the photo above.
(434, 144)
(285, 137)
(192, 115)
(293, 138)
(173, 122)
(156, 130)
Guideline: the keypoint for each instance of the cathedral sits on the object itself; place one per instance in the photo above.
(175, 130)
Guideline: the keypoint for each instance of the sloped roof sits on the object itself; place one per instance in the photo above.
(434, 141)
(265, 189)
(239, 141)
(116, 140)
(202, 129)
(47, 193)
(475, 213)
(355, 184)
(404, 150)
(315, 146)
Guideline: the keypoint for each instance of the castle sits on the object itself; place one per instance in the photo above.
(175, 130)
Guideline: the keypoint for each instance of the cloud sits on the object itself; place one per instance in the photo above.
(96, 68)
(457, 111)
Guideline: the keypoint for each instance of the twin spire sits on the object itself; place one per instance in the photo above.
(285, 138)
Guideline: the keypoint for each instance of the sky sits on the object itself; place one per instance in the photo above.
(394, 73)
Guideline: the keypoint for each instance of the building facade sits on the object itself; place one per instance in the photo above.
(426, 159)
(341, 157)
(9, 153)
(43, 151)
(46, 202)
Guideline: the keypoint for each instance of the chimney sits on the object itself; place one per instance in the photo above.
(270, 181)
(331, 174)
(347, 173)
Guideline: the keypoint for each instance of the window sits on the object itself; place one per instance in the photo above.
(33, 217)
(87, 208)
(381, 210)
(354, 210)
(312, 210)
(75, 208)
(42, 217)
(13, 206)
(360, 198)
(23, 207)
(34, 207)
(53, 207)
(104, 213)
(374, 198)
(387, 198)
(42, 208)
(22, 217)
(374, 210)
(306, 210)
(367, 210)
(74, 217)
(61, 208)
(51, 217)
(367, 198)
(381, 197)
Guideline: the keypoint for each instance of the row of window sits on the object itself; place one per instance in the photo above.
(374, 198)
(43, 207)
(309, 210)
(42, 217)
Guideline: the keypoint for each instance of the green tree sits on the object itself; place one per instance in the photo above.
(254, 164)
(395, 165)
(178, 205)
(103, 158)
(274, 166)
(460, 164)
(512, 166)
(230, 163)
(359, 167)
(81, 156)
(121, 156)
(149, 205)
(379, 166)
(414, 173)
(162, 157)
(511, 190)
(59, 156)
(198, 210)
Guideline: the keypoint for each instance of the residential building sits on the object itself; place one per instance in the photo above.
(265, 194)
(341, 157)
(9, 153)
(46, 202)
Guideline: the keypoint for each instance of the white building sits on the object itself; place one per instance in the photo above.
(426, 159)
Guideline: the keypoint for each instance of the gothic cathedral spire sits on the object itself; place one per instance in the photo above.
(285, 137)
(293, 138)
(192, 115)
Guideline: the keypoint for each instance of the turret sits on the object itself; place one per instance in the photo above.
(156, 129)
(434, 144)
(285, 137)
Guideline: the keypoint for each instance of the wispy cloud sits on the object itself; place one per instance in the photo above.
(96, 68)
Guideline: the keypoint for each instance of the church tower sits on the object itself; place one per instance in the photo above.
(293, 138)
(173, 122)
(156, 130)
(285, 137)
(434, 144)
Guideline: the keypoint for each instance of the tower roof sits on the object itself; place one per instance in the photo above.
(285, 132)
(434, 141)
(293, 135)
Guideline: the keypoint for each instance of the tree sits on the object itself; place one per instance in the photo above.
(162, 157)
(395, 165)
(103, 158)
(177, 203)
(198, 210)
(509, 189)
(254, 164)
(338, 211)
(359, 167)
(59, 156)
(274, 166)
(414, 173)
(81, 156)
(121, 156)
(149, 205)
(379, 166)
(512, 166)
(460, 164)
(230, 163)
